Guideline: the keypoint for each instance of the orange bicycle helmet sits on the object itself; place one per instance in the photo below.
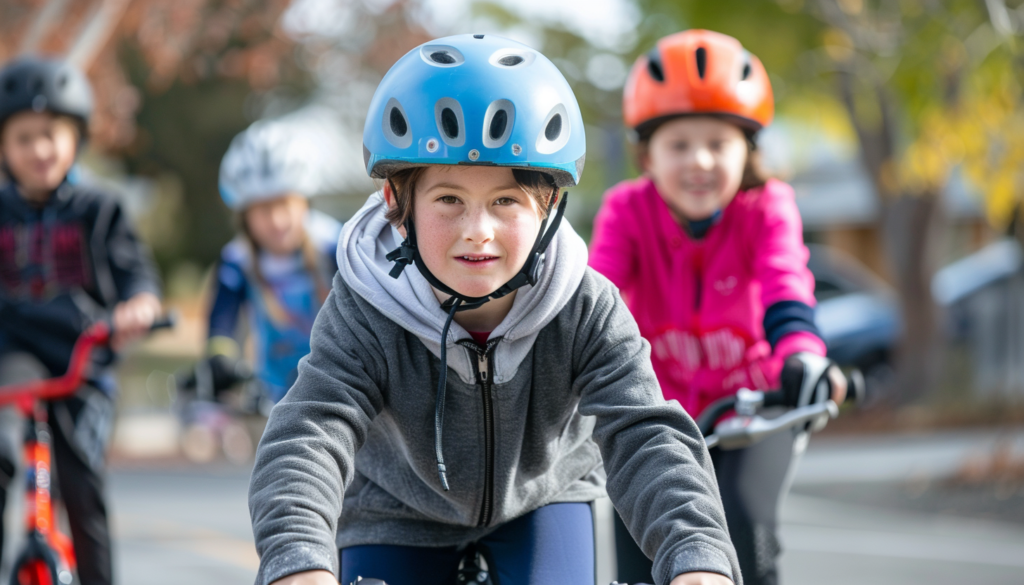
(697, 72)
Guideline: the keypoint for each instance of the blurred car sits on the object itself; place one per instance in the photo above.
(858, 314)
(859, 317)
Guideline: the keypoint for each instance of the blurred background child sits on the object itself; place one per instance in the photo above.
(709, 254)
(279, 267)
(68, 256)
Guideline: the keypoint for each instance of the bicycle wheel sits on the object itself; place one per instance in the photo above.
(33, 572)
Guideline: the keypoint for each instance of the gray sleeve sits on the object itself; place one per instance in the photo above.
(660, 475)
(305, 459)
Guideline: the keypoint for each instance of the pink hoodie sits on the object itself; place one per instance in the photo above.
(701, 304)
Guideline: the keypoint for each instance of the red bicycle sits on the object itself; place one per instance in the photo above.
(47, 557)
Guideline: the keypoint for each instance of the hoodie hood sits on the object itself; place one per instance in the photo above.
(409, 300)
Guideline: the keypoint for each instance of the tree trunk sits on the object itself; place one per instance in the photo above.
(911, 227)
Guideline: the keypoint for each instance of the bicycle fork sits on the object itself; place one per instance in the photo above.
(47, 558)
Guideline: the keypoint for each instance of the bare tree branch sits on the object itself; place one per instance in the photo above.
(52, 11)
(96, 32)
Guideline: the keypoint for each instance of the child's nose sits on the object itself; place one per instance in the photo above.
(479, 226)
(703, 158)
(43, 148)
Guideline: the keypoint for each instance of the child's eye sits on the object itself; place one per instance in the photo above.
(716, 145)
(504, 201)
(449, 199)
(680, 146)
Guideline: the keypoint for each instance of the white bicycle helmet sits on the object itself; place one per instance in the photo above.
(269, 159)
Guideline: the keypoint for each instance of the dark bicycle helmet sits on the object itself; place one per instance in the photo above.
(44, 85)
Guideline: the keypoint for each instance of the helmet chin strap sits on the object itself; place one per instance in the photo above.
(408, 253)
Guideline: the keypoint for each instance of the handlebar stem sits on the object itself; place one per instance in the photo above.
(748, 402)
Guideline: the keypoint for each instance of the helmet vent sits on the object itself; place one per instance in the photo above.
(509, 57)
(702, 61)
(498, 121)
(395, 125)
(449, 123)
(498, 124)
(554, 128)
(654, 66)
(746, 71)
(478, 36)
(442, 57)
(398, 124)
(555, 131)
(36, 86)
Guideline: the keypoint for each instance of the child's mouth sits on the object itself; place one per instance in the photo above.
(476, 260)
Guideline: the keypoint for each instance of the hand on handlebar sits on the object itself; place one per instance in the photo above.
(810, 379)
(308, 578)
(701, 578)
(215, 374)
(133, 318)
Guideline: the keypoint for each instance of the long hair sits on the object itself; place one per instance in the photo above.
(310, 260)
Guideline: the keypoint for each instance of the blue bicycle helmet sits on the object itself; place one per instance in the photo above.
(475, 99)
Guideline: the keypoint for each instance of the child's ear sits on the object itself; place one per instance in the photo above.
(389, 199)
(389, 196)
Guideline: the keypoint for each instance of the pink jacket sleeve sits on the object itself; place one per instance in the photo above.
(613, 247)
(780, 263)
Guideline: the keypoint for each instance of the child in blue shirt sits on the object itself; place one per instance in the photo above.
(281, 264)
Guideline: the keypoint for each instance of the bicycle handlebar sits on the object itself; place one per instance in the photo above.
(748, 429)
(739, 432)
(96, 335)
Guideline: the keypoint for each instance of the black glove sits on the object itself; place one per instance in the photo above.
(805, 379)
(216, 374)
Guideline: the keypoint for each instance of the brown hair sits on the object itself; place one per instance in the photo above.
(540, 186)
(277, 313)
(754, 173)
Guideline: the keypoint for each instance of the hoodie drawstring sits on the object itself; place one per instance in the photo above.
(439, 404)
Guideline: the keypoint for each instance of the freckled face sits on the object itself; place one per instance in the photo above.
(475, 226)
(697, 164)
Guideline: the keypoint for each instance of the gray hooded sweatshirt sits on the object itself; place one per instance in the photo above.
(563, 391)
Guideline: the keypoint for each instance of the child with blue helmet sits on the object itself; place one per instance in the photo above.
(472, 385)
(279, 267)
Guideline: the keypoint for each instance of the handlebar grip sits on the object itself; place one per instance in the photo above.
(775, 398)
(856, 388)
(167, 321)
(855, 392)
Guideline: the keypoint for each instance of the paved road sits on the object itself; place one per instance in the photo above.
(181, 525)
(190, 525)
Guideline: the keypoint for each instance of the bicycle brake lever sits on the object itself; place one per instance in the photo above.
(743, 431)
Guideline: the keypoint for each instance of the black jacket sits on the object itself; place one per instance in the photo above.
(62, 266)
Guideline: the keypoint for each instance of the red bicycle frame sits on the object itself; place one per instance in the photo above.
(47, 557)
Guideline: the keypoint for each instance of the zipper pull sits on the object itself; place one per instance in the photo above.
(483, 366)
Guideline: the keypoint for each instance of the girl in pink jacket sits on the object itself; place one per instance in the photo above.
(709, 256)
